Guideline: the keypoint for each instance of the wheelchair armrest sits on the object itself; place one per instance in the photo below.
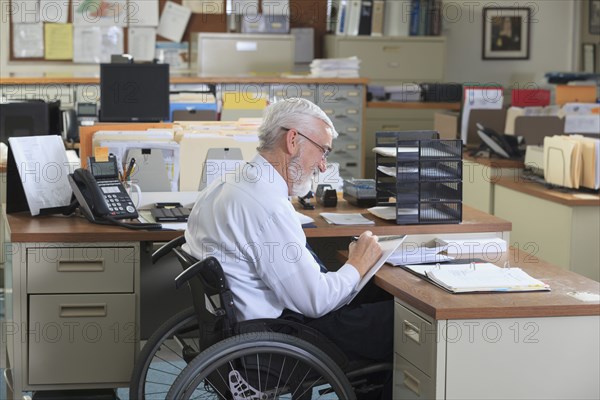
(210, 273)
(167, 247)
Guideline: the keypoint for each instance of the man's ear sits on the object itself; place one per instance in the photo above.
(291, 142)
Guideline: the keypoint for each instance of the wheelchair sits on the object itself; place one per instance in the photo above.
(203, 352)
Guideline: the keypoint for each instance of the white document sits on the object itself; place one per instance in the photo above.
(43, 166)
(387, 247)
(582, 124)
(346, 219)
(143, 13)
(478, 98)
(28, 40)
(384, 212)
(87, 44)
(54, 11)
(141, 42)
(173, 21)
(392, 151)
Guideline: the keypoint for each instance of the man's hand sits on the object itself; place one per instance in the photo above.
(364, 252)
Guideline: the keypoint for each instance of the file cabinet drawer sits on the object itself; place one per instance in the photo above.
(414, 339)
(289, 90)
(81, 338)
(80, 269)
(411, 383)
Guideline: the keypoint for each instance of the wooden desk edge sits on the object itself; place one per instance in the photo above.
(441, 305)
(518, 184)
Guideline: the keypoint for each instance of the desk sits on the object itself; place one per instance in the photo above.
(554, 225)
(540, 345)
(479, 175)
(90, 275)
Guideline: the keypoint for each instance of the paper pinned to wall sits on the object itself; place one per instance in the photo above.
(28, 40)
(141, 42)
(58, 41)
(43, 167)
(100, 12)
(143, 13)
(23, 11)
(173, 21)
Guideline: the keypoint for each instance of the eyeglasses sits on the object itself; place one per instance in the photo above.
(325, 149)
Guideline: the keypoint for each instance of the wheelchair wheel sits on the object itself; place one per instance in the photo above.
(164, 356)
(262, 365)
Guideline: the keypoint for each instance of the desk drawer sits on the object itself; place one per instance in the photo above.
(81, 338)
(410, 382)
(415, 339)
(80, 269)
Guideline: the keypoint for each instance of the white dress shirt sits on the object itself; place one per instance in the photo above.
(247, 222)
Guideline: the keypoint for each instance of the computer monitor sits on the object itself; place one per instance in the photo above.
(134, 92)
(24, 118)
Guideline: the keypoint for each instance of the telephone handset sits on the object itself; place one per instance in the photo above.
(100, 193)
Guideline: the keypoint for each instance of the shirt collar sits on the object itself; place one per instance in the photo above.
(269, 175)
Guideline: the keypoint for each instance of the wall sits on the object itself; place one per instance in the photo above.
(553, 38)
(551, 46)
(586, 36)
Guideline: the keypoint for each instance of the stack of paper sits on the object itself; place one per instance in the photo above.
(409, 254)
(346, 219)
(335, 67)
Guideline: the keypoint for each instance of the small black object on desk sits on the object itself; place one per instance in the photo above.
(305, 201)
(326, 195)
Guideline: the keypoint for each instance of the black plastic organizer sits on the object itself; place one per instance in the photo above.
(422, 179)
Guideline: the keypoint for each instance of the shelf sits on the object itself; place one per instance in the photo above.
(414, 105)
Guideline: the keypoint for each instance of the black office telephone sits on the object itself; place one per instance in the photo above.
(100, 193)
(505, 146)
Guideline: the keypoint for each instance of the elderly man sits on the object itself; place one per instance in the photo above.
(247, 221)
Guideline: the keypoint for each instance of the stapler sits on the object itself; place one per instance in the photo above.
(305, 201)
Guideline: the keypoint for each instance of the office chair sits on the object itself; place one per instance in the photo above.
(204, 352)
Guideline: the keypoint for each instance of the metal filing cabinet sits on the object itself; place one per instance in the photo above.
(344, 104)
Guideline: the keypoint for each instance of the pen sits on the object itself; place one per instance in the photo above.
(382, 238)
(129, 168)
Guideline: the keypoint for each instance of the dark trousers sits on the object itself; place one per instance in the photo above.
(363, 330)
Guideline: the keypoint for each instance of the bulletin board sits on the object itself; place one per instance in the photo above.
(303, 14)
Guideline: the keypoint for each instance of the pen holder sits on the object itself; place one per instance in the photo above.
(134, 191)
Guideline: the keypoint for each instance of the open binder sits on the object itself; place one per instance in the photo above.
(478, 277)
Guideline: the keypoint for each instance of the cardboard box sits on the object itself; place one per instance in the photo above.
(447, 124)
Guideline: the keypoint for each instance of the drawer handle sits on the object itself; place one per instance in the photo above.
(411, 331)
(412, 383)
(392, 48)
(80, 266)
(82, 310)
(390, 127)
(393, 64)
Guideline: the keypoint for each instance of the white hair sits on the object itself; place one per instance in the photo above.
(291, 113)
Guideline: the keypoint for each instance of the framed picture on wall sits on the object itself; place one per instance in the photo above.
(595, 16)
(506, 32)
